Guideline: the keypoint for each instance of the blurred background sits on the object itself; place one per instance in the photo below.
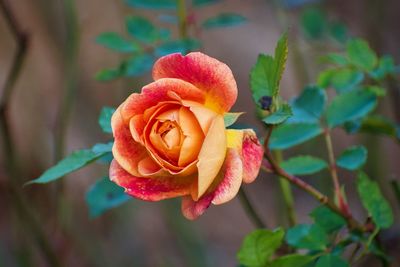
(56, 100)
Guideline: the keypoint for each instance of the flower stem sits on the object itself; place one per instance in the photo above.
(351, 222)
(182, 18)
(332, 161)
(254, 217)
(287, 193)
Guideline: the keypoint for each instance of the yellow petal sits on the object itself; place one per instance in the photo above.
(212, 155)
(234, 138)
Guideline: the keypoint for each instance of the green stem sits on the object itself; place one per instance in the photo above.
(286, 192)
(332, 161)
(182, 18)
(244, 200)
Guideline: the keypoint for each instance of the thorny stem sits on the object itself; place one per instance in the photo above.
(17, 197)
(244, 200)
(351, 222)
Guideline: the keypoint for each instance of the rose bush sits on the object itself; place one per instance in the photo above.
(170, 140)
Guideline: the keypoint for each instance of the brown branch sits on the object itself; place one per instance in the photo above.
(323, 199)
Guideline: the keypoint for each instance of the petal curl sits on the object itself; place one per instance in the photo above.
(192, 209)
(125, 150)
(150, 189)
(212, 155)
(252, 154)
(208, 74)
(157, 92)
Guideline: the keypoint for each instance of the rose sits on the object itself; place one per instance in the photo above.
(170, 140)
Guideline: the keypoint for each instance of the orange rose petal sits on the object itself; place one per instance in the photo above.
(193, 137)
(157, 92)
(148, 167)
(192, 209)
(232, 178)
(173, 138)
(125, 150)
(136, 126)
(206, 73)
(204, 116)
(212, 155)
(252, 155)
(150, 189)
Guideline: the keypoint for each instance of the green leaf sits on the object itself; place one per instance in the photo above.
(73, 162)
(224, 20)
(177, 46)
(339, 32)
(325, 77)
(374, 202)
(377, 90)
(346, 79)
(350, 106)
(142, 29)
(386, 66)
(334, 58)
(302, 165)
(313, 22)
(104, 195)
(309, 106)
(266, 74)
(279, 116)
(329, 260)
(352, 158)
(377, 124)
(231, 117)
(105, 119)
(292, 260)
(259, 246)
(138, 65)
(107, 75)
(361, 55)
(327, 219)
(152, 4)
(114, 41)
(287, 135)
(307, 236)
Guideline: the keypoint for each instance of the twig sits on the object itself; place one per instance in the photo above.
(244, 200)
(351, 222)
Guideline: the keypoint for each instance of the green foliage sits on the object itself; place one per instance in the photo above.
(313, 22)
(350, 106)
(279, 116)
(292, 260)
(309, 106)
(385, 67)
(303, 165)
(266, 74)
(330, 260)
(231, 117)
(361, 55)
(288, 135)
(199, 3)
(137, 65)
(374, 202)
(307, 236)
(352, 158)
(104, 195)
(142, 29)
(73, 162)
(375, 124)
(259, 246)
(117, 43)
(335, 59)
(339, 32)
(224, 20)
(105, 119)
(327, 219)
(177, 46)
(152, 4)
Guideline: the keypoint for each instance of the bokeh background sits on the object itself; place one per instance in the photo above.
(61, 61)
